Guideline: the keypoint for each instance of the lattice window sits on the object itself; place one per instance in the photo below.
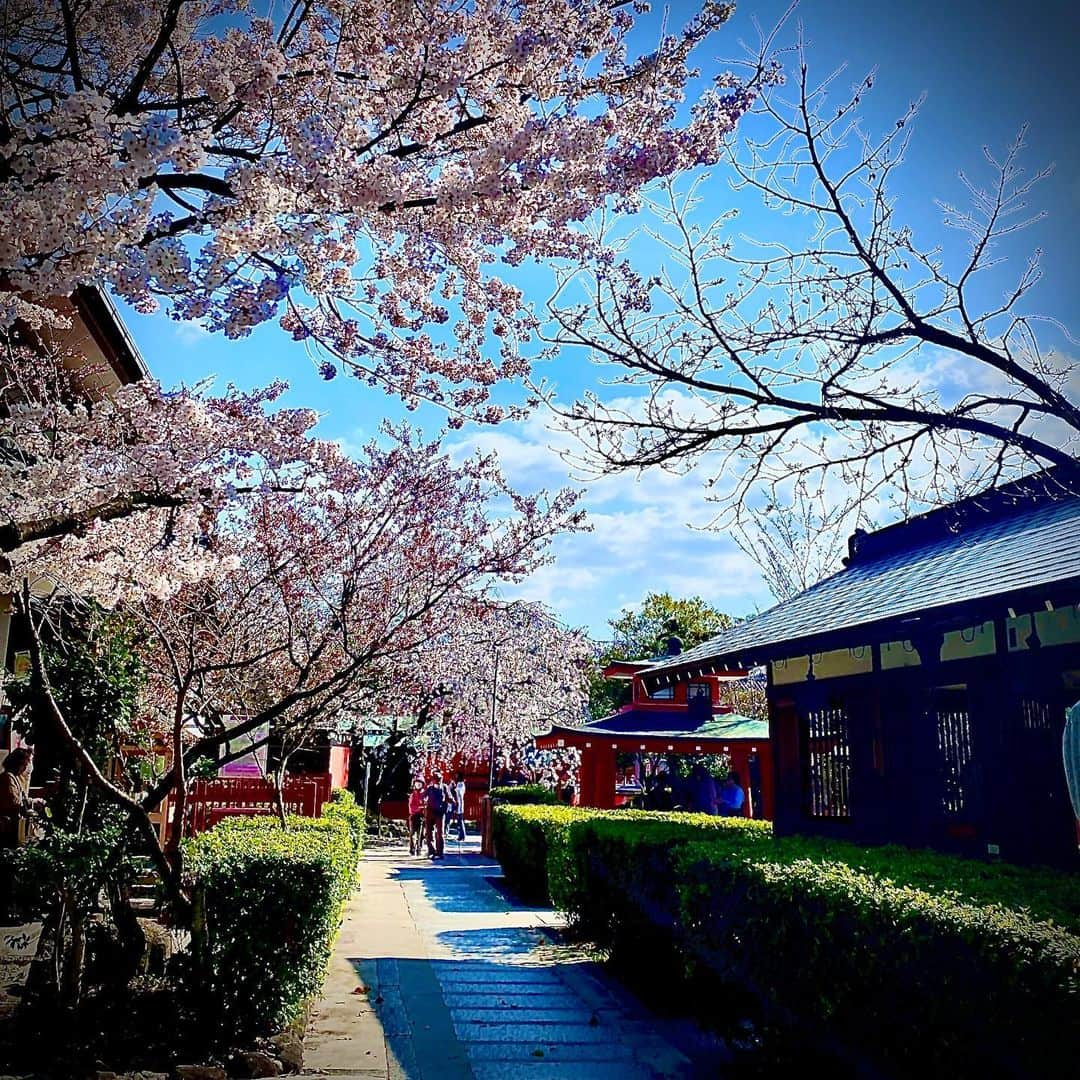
(1035, 715)
(956, 747)
(827, 763)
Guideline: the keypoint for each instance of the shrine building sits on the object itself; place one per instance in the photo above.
(919, 695)
(682, 717)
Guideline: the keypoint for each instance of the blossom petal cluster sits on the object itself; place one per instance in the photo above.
(503, 673)
(117, 494)
(366, 172)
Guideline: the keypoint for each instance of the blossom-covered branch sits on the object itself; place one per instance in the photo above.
(352, 169)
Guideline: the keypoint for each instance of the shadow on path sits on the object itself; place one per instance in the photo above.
(441, 975)
(448, 884)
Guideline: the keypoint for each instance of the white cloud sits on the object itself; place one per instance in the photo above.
(354, 444)
(641, 539)
(190, 333)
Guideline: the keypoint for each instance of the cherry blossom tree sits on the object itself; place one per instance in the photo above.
(312, 597)
(352, 168)
(505, 672)
(107, 496)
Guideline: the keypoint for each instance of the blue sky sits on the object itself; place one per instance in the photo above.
(986, 68)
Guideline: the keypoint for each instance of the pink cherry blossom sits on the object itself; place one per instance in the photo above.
(355, 169)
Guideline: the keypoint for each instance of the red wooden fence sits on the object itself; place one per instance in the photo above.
(211, 800)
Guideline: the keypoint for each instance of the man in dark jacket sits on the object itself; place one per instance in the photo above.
(434, 810)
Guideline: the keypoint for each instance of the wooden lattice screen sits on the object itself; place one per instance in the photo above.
(956, 747)
(827, 763)
(1036, 715)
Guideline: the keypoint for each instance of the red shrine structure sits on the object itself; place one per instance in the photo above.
(690, 718)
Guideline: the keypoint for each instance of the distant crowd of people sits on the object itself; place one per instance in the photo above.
(558, 776)
(437, 802)
(700, 792)
(436, 806)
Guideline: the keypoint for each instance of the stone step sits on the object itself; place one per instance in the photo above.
(541, 999)
(560, 1070)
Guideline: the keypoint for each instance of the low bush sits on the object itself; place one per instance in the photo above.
(538, 844)
(342, 807)
(268, 905)
(902, 973)
(907, 956)
(525, 794)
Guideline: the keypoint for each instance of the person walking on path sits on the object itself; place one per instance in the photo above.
(434, 809)
(15, 802)
(702, 791)
(457, 817)
(449, 804)
(416, 817)
(732, 796)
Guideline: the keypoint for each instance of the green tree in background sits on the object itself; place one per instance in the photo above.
(83, 858)
(641, 632)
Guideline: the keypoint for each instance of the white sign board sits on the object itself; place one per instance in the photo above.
(18, 947)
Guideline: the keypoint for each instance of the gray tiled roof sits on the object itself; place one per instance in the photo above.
(958, 554)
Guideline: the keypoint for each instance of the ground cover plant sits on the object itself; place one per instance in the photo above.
(267, 905)
(866, 947)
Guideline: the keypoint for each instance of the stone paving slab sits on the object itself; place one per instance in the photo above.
(439, 975)
(555, 998)
(515, 990)
(553, 1070)
(582, 1054)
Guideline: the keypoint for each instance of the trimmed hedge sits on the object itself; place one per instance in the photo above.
(342, 807)
(525, 794)
(915, 976)
(268, 905)
(536, 844)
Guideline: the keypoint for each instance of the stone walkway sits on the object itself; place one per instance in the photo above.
(437, 975)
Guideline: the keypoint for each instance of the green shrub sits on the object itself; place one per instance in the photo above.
(268, 905)
(917, 978)
(915, 957)
(521, 845)
(342, 807)
(541, 844)
(525, 794)
(1044, 893)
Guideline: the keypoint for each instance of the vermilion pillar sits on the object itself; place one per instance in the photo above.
(598, 777)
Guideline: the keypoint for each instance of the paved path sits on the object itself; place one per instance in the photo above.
(439, 976)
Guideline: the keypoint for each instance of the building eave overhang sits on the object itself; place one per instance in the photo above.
(102, 319)
(560, 737)
(931, 620)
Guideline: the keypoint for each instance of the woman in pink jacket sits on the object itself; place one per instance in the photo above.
(416, 816)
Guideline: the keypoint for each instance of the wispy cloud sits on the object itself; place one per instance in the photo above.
(643, 536)
(190, 333)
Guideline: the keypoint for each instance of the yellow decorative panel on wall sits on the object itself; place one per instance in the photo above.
(827, 665)
(1058, 627)
(792, 670)
(969, 642)
(898, 654)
